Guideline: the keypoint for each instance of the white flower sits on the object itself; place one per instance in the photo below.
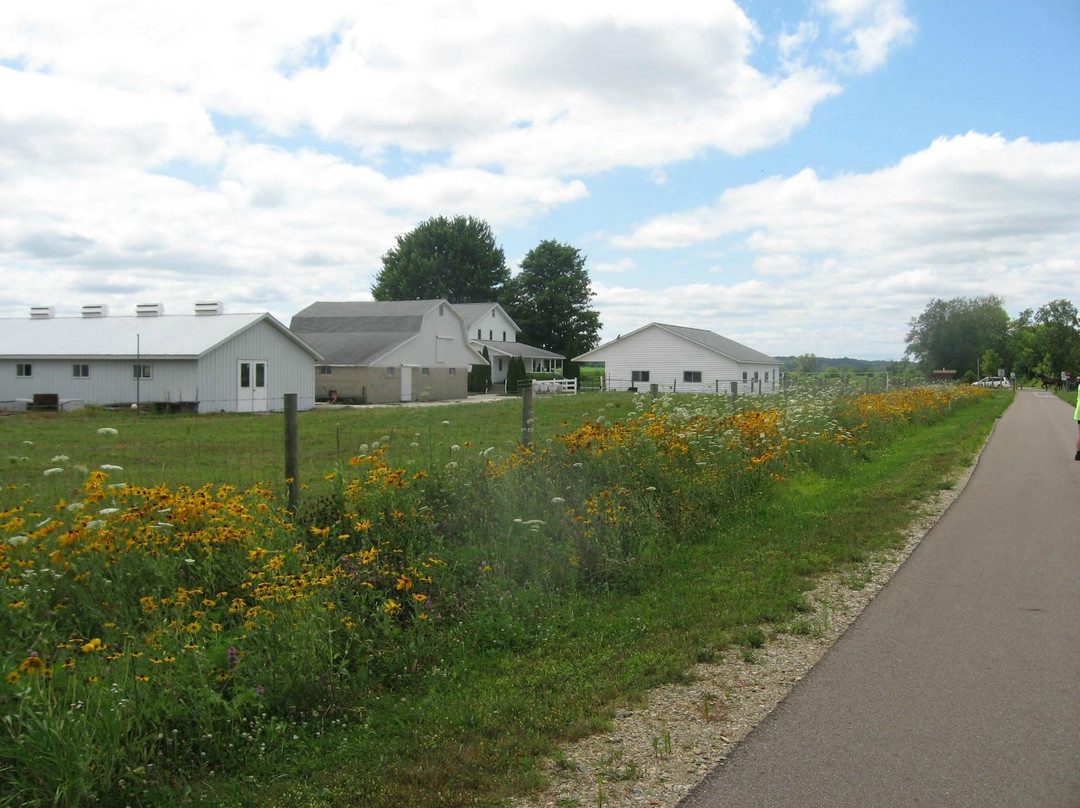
(451, 465)
(115, 486)
(650, 488)
(107, 511)
(487, 451)
(107, 430)
(28, 442)
(364, 447)
(111, 467)
(17, 540)
(59, 459)
(446, 423)
(95, 523)
(52, 471)
(75, 506)
(455, 448)
(415, 445)
(557, 500)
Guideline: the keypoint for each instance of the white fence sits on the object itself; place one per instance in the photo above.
(554, 385)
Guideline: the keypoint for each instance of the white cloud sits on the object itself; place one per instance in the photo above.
(870, 29)
(620, 265)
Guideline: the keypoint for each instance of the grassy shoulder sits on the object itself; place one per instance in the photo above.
(509, 686)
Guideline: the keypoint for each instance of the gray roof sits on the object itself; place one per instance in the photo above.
(357, 332)
(517, 349)
(179, 336)
(707, 339)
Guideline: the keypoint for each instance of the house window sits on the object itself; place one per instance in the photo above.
(692, 376)
(639, 375)
(425, 371)
(24, 370)
(504, 336)
(452, 371)
(80, 371)
(389, 371)
(500, 363)
(479, 334)
(744, 375)
(142, 371)
(440, 309)
(755, 375)
(766, 375)
(491, 334)
(325, 370)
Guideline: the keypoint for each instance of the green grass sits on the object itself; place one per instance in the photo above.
(475, 732)
(500, 688)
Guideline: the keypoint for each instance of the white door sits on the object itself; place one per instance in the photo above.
(406, 383)
(251, 392)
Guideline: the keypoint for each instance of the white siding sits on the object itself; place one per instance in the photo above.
(290, 369)
(494, 327)
(111, 381)
(666, 357)
(440, 343)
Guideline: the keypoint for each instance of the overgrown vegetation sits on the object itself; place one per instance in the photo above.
(442, 609)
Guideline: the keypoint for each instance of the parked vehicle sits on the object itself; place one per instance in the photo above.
(992, 381)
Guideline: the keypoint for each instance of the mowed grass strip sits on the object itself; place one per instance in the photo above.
(475, 729)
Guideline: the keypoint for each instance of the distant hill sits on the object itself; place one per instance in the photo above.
(826, 362)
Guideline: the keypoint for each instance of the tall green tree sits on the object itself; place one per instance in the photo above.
(955, 333)
(549, 300)
(1059, 336)
(456, 259)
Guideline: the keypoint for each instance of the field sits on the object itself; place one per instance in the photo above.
(444, 606)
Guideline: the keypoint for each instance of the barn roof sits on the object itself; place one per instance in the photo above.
(177, 336)
(474, 311)
(707, 339)
(517, 349)
(360, 332)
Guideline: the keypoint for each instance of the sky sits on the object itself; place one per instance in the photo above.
(803, 177)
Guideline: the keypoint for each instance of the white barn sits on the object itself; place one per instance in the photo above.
(685, 360)
(203, 362)
(381, 352)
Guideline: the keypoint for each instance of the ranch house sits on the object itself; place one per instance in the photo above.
(489, 326)
(207, 361)
(380, 352)
(685, 360)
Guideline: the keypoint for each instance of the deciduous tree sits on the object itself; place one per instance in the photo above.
(456, 259)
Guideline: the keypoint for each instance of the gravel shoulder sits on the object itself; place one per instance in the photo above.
(655, 753)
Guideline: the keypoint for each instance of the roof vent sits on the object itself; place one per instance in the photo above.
(149, 310)
(42, 312)
(209, 309)
(98, 310)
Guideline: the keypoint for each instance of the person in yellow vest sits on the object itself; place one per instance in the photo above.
(1076, 415)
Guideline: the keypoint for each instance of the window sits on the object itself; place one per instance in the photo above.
(755, 375)
(325, 370)
(744, 375)
(500, 363)
(24, 370)
(80, 371)
(452, 371)
(425, 371)
(639, 375)
(440, 309)
(504, 336)
(260, 374)
(142, 371)
(479, 334)
(389, 371)
(691, 376)
(766, 375)
(491, 334)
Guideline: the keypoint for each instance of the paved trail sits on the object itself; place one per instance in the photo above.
(960, 683)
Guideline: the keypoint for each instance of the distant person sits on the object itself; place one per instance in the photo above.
(1076, 415)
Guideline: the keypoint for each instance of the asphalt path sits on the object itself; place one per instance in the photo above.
(959, 685)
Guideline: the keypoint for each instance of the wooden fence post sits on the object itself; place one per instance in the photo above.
(734, 393)
(292, 452)
(654, 390)
(527, 416)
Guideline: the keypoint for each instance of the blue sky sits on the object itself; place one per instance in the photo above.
(801, 176)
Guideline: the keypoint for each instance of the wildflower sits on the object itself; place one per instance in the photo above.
(141, 678)
(455, 448)
(107, 430)
(52, 471)
(391, 606)
(13, 677)
(75, 506)
(557, 500)
(17, 604)
(14, 541)
(111, 467)
(94, 645)
(107, 511)
(59, 459)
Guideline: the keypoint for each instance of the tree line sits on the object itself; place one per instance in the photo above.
(976, 336)
(458, 259)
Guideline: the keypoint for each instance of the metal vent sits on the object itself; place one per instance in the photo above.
(42, 312)
(149, 310)
(209, 309)
(98, 310)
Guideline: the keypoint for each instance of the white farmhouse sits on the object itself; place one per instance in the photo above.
(489, 326)
(202, 362)
(380, 352)
(685, 360)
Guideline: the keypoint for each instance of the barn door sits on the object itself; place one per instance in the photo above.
(406, 383)
(251, 390)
